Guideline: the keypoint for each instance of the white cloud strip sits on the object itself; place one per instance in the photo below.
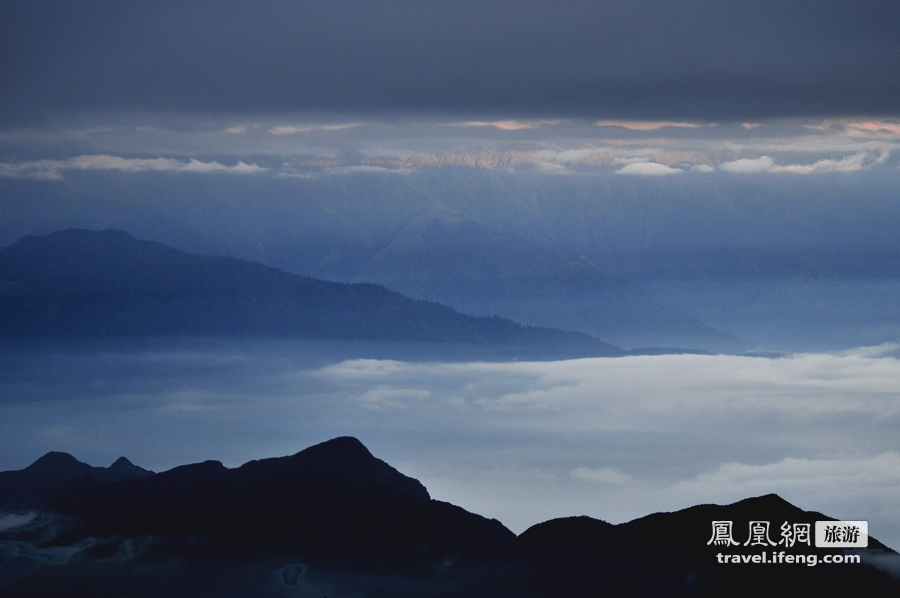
(293, 130)
(652, 392)
(649, 169)
(810, 477)
(765, 164)
(362, 169)
(53, 169)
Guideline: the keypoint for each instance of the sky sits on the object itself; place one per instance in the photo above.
(645, 87)
(641, 59)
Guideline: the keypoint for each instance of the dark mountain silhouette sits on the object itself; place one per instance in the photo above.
(334, 520)
(668, 554)
(78, 283)
(332, 510)
(331, 502)
(28, 489)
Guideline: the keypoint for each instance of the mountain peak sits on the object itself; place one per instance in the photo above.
(341, 444)
(29, 488)
(123, 469)
(54, 457)
(121, 462)
(55, 461)
(345, 462)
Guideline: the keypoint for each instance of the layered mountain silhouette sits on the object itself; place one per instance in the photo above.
(764, 259)
(334, 520)
(79, 283)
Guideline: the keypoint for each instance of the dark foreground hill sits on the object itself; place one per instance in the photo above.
(333, 520)
(79, 283)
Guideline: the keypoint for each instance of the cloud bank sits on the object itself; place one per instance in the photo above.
(649, 169)
(297, 147)
(53, 169)
(765, 164)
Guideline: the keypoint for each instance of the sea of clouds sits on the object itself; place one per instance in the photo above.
(613, 438)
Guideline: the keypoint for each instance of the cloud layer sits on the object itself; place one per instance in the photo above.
(304, 148)
(53, 169)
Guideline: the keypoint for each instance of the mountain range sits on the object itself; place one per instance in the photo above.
(716, 262)
(365, 228)
(719, 263)
(87, 284)
(334, 520)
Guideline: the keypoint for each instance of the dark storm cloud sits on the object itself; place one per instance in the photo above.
(645, 58)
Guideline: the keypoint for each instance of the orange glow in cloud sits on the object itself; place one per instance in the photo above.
(636, 125)
(509, 125)
(874, 127)
(860, 128)
(287, 130)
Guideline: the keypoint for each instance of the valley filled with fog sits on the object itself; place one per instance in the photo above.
(523, 442)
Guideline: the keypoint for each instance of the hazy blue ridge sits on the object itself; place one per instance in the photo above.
(95, 284)
(768, 261)
(446, 257)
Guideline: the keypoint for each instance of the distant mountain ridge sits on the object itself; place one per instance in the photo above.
(81, 283)
(446, 257)
(335, 520)
(776, 263)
